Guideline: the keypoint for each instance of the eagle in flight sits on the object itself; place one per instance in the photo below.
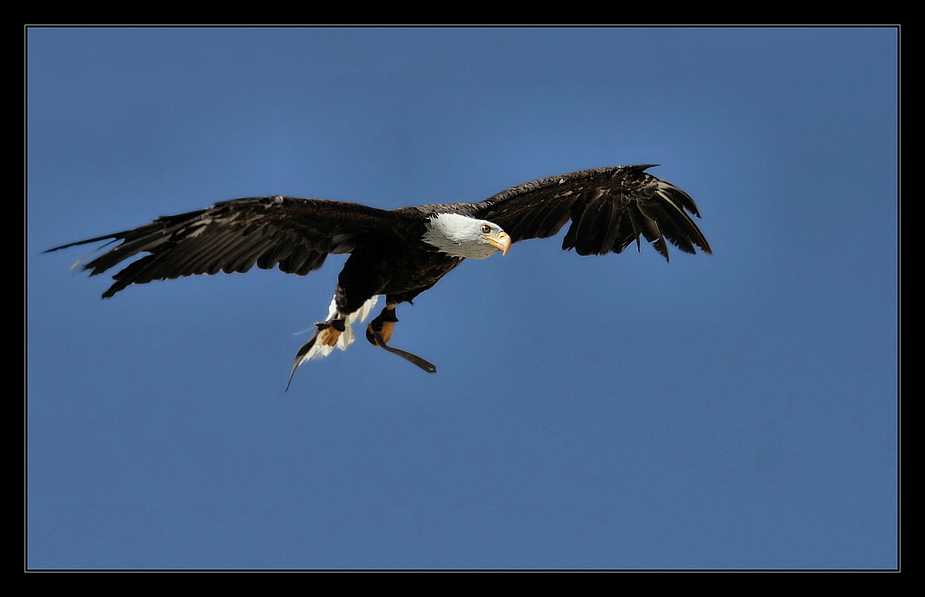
(400, 253)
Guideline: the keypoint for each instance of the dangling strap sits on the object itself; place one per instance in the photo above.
(426, 366)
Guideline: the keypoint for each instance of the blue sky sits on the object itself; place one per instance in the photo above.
(730, 411)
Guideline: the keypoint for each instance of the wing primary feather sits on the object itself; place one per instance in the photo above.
(586, 236)
(677, 201)
(608, 230)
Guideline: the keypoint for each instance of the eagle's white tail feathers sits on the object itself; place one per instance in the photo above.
(347, 338)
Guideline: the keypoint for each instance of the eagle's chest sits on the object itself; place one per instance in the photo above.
(413, 271)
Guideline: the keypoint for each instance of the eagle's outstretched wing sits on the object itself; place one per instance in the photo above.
(232, 236)
(609, 209)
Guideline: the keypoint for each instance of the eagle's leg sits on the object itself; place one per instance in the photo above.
(379, 331)
(327, 334)
(329, 331)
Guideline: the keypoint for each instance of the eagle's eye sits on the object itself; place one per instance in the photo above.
(486, 228)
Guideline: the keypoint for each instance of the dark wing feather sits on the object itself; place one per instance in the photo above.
(293, 234)
(609, 208)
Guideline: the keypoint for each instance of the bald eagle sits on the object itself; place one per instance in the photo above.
(400, 253)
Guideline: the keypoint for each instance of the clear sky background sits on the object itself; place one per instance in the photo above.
(738, 410)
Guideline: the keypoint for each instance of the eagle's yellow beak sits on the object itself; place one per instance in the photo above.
(502, 242)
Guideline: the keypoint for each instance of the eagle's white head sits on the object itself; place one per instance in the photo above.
(462, 236)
